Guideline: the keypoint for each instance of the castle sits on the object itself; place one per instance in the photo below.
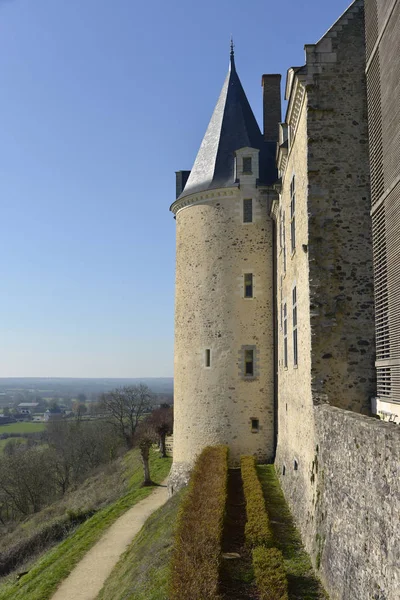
(274, 323)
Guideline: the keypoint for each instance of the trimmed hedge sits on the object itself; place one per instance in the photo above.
(196, 558)
(257, 531)
(270, 574)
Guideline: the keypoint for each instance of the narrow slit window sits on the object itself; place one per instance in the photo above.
(295, 345)
(284, 242)
(285, 344)
(249, 363)
(293, 214)
(248, 285)
(248, 210)
(255, 425)
(208, 357)
(247, 166)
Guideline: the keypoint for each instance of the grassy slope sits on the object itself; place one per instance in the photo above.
(4, 442)
(142, 572)
(303, 584)
(22, 427)
(44, 577)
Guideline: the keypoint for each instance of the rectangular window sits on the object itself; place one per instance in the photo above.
(248, 285)
(247, 164)
(208, 358)
(295, 347)
(248, 210)
(255, 425)
(285, 348)
(284, 242)
(293, 214)
(249, 363)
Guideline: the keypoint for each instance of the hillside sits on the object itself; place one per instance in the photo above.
(99, 502)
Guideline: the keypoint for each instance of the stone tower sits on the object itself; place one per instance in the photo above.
(224, 306)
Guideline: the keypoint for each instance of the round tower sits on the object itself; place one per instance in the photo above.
(224, 337)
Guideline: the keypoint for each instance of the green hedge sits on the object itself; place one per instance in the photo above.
(270, 574)
(197, 553)
(257, 531)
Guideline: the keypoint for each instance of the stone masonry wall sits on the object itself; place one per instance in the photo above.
(357, 503)
(340, 236)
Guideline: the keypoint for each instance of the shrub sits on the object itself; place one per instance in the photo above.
(196, 558)
(270, 574)
(257, 530)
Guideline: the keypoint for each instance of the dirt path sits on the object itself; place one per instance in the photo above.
(88, 577)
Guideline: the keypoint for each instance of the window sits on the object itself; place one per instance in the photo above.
(293, 214)
(249, 363)
(255, 425)
(285, 350)
(284, 242)
(295, 347)
(248, 285)
(248, 210)
(247, 164)
(296, 465)
(208, 358)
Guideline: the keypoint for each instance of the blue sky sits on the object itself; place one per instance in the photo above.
(100, 103)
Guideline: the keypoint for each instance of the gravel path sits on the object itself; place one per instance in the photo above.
(88, 577)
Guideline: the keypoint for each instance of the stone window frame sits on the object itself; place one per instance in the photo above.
(256, 362)
(295, 339)
(252, 296)
(285, 335)
(255, 424)
(251, 210)
(293, 214)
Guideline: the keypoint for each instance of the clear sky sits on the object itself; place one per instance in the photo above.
(101, 101)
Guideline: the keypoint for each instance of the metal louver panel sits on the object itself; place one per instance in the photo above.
(381, 288)
(375, 129)
(371, 26)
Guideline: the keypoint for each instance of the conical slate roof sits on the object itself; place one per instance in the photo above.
(232, 126)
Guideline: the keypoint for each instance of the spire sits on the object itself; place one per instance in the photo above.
(232, 126)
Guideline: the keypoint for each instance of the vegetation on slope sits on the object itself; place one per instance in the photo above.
(44, 577)
(302, 582)
(143, 572)
(197, 553)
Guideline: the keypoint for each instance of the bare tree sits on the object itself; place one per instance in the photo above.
(125, 407)
(144, 439)
(162, 421)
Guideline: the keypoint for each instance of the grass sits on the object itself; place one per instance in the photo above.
(136, 577)
(44, 577)
(22, 427)
(302, 582)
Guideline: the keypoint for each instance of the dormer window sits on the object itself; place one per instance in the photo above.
(247, 166)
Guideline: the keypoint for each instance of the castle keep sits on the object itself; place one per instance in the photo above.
(274, 323)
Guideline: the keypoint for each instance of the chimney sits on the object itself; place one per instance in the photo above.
(181, 179)
(271, 85)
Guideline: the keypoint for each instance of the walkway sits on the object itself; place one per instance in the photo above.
(88, 577)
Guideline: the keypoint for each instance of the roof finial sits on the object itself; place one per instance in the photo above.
(232, 65)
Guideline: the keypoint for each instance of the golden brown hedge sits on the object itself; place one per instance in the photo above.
(257, 531)
(196, 558)
(270, 574)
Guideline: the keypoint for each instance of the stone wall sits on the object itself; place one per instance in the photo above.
(357, 501)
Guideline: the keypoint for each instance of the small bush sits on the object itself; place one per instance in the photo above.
(257, 531)
(196, 558)
(270, 574)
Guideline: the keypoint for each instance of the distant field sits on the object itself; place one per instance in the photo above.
(22, 427)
